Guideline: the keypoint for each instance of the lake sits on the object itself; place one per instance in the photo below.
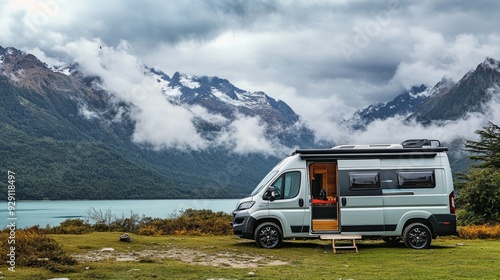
(42, 213)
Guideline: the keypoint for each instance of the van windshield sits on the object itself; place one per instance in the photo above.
(264, 181)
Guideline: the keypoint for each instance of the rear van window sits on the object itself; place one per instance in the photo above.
(416, 179)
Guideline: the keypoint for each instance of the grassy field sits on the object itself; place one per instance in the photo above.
(102, 256)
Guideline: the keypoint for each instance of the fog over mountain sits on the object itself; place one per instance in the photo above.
(325, 59)
(102, 124)
(166, 110)
(185, 99)
(446, 111)
(162, 105)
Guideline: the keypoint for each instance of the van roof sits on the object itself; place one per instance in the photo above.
(410, 148)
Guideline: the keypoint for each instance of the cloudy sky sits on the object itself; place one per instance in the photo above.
(326, 59)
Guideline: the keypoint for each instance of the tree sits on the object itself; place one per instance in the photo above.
(479, 197)
(487, 150)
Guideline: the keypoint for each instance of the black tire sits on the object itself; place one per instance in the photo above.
(417, 236)
(393, 240)
(268, 235)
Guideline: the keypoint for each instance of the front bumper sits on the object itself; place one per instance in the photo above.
(243, 224)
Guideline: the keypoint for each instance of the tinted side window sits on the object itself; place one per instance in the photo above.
(416, 179)
(364, 180)
(287, 185)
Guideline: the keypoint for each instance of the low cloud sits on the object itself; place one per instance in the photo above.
(248, 134)
(159, 123)
(434, 56)
(397, 129)
(338, 56)
(164, 125)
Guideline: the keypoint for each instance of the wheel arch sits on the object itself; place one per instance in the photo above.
(265, 220)
(422, 221)
(423, 217)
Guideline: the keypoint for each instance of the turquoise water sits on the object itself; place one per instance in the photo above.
(42, 213)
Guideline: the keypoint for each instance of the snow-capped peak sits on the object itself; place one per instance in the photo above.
(444, 84)
(68, 71)
(189, 82)
(424, 93)
(492, 63)
(243, 99)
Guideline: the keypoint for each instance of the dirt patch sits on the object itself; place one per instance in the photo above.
(219, 259)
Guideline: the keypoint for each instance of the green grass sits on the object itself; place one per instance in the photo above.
(164, 257)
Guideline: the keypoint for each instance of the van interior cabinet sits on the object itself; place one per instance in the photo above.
(328, 211)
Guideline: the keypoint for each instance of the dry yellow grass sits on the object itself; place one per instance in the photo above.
(479, 231)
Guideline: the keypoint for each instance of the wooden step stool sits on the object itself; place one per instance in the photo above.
(334, 237)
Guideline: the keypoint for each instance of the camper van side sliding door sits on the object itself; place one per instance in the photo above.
(360, 200)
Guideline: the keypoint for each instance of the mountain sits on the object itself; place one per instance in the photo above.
(55, 152)
(219, 96)
(67, 138)
(469, 95)
(403, 104)
(447, 100)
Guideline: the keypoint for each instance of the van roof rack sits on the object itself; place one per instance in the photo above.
(412, 148)
(369, 146)
(420, 143)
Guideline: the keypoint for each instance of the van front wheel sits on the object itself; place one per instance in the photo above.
(268, 235)
(417, 236)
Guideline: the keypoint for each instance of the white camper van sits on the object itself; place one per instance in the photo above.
(396, 192)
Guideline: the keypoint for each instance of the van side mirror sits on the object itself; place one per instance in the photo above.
(269, 194)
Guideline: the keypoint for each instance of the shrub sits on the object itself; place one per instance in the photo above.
(73, 226)
(106, 221)
(35, 248)
(184, 222)
(479, 198)
(190, 222)
(102, 219)
(128, 224)
(481, 231)
(149, 230)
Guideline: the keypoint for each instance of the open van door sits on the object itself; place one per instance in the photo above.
(323, 193)
(361, 203)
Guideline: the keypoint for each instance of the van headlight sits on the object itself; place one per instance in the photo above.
(246, 205)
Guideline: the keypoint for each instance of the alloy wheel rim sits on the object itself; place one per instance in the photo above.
(418, 238)
(268, 236)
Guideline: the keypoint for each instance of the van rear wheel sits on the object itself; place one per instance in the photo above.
(417, 236)
(268, 235)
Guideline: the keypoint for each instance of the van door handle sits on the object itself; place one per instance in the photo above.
(301, 202)
(344, 201)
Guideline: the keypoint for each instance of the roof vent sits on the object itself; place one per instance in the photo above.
(420, 143)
